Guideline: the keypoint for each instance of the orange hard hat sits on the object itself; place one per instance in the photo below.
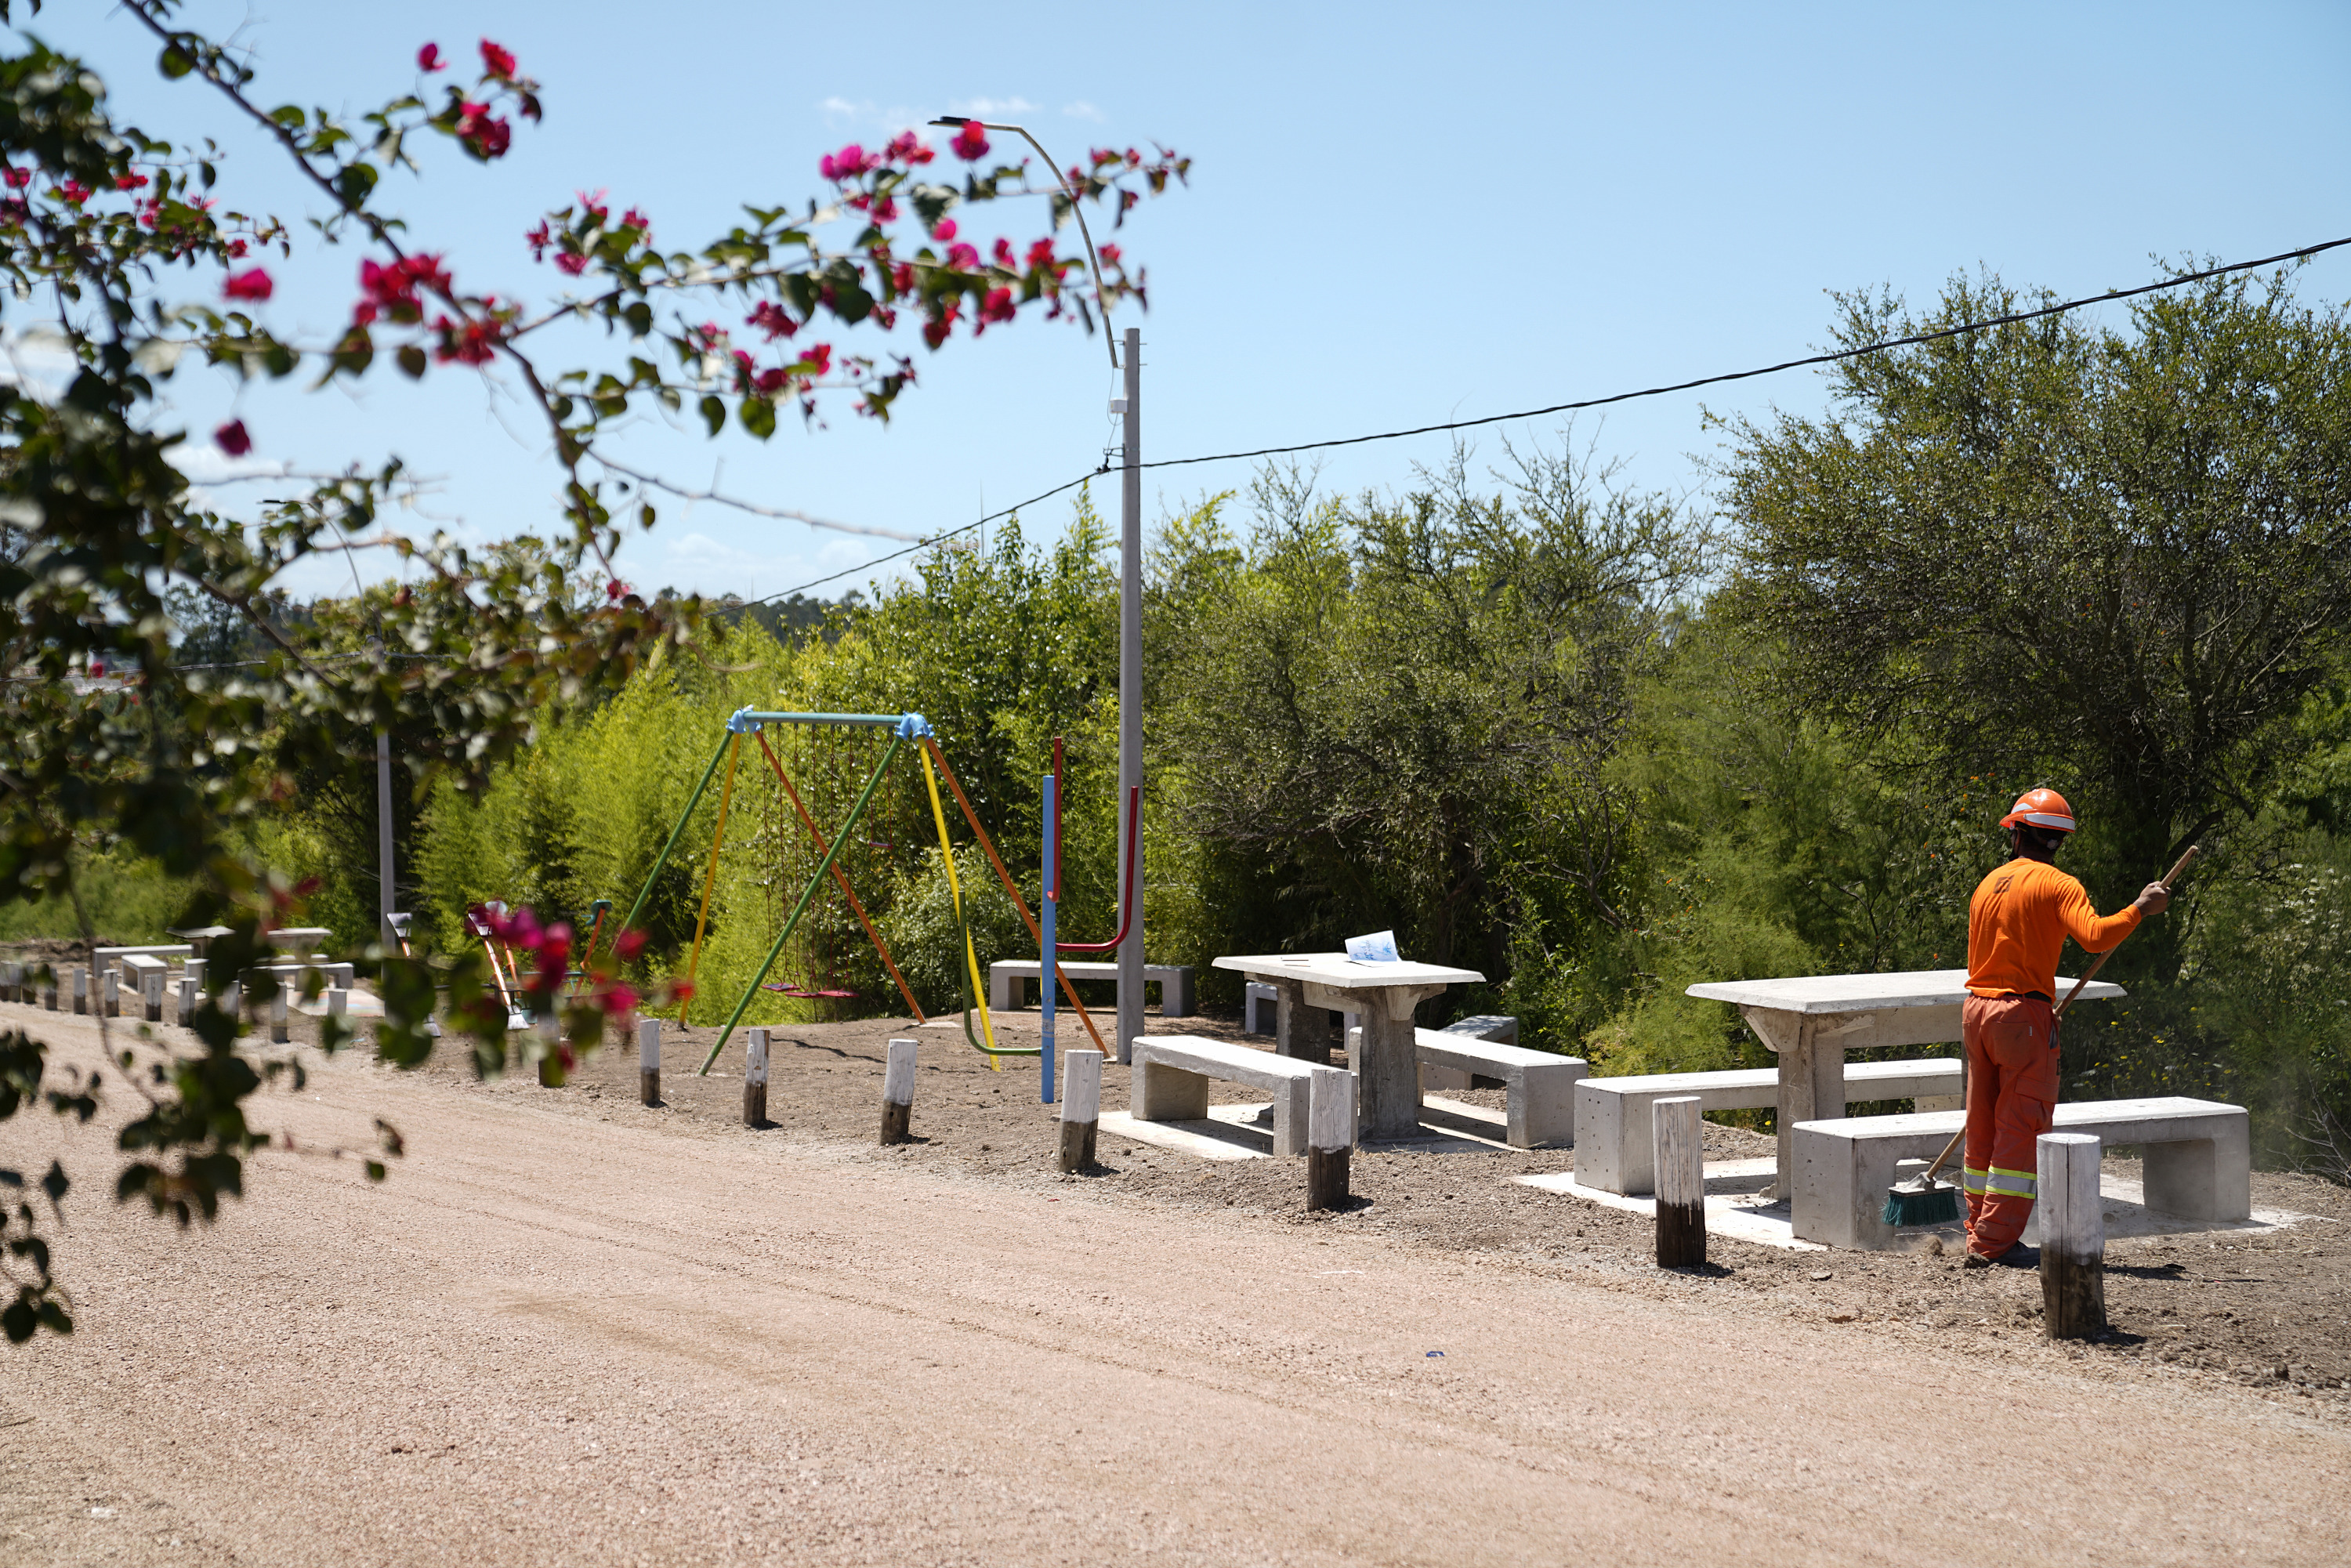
(2041, 808)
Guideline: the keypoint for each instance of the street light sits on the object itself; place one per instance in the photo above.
(1101, 300)
(1130, 605)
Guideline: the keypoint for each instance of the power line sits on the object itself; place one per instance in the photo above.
(1829, 359)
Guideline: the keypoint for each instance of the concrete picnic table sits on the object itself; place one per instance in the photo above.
(1812, 1020)
(1387, 1078)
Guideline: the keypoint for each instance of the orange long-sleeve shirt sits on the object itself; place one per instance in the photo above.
(2019, 920)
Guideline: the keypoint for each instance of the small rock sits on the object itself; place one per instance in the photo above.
(1823, 1274)
(1841, 1317)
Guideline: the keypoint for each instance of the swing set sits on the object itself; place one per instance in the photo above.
(902, 730)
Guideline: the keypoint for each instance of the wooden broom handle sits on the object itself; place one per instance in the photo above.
(2169, 877)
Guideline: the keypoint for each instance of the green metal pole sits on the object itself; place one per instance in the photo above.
(662, 858)
(856, 813)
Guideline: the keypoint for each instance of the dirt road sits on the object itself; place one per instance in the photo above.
(554, 1339)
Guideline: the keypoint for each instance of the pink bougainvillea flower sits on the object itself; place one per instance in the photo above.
(1041, 254)
(253, 284)
(618, 999)
(846, 164)
(497, 60)
(569, 265)
(485, 135)
(946, 231)
(1109, 255)
(771, 381)
(616, 590)
(681, 991)
(970, 144)
(999, 306)
(428, 59)
(19, 178)
(592, 207)
(538, 239)
(819, 359)
(628, 944)
(232, 438)
(74, 191)
(633, 219)
(772, 320)
(129, 182)
(963, 257)
(1004, 253)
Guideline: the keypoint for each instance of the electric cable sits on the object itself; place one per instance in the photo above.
(2062, 308)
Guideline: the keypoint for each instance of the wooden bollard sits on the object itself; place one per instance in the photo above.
(1080, 1107)
(231, 1002)
(185, 1006)
(110, 993)
(151, 993)
(2073, 1236)
(1677, 1143)
(755, 1080)
(1330, 1136)
(648, 1060)
(898, 1092)
(278, 1035)
(546, 1026)
(49, 991)
(81, 990)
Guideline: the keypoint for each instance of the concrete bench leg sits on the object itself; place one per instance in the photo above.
(1171, 1094)
(1290, 1109)
(1300, 1030)
(1542, 1106)
(1176, 995)
(1001, 989)
(2203, 1178)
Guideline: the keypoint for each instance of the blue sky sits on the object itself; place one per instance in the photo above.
(1397, 216)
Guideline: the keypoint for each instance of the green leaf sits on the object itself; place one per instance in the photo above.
(713, 412)
(174, 65)
(758, 416)
(640, 317)
(354, 181)
(412, 360)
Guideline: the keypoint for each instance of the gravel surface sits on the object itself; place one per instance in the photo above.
(572, 1328)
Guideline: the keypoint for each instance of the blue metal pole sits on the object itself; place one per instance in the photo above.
(1050, 902)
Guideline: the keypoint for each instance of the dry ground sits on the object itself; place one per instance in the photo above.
(569, 1328)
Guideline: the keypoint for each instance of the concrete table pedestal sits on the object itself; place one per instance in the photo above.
(1388, 1072)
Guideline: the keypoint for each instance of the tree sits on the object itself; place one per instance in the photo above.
(2117, 559)
(1405, 711)
(114, 241)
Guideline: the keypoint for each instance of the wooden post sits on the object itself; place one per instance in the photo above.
(1081, 1108)
(278, 1035)
(648, 1060)
(186, 1005)
(81, 990)
(231, 1002)
(49, 991)
(2073, 1236)
(755, 1079)
(898, 1092)
(151, 993)
(1330, 1136)
(1675, 1129)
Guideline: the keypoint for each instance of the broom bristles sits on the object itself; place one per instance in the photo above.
(1937, 1205)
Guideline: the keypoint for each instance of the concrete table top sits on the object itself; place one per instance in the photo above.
(1868, 993)
(1343, 973)
(1383, 996)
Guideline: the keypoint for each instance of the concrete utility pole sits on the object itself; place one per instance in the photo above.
(385, 897)
(1130, 690)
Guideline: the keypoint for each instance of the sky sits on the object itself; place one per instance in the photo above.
(1396, 216)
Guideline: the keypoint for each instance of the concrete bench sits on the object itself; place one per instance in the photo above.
(1261, 1007)
(1612, 1114)
(1541, 1084)
(1172, 1074)
(2198, 1162)
(1006, 992)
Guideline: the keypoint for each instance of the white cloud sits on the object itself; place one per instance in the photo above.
(992, 108)
(1082, 110)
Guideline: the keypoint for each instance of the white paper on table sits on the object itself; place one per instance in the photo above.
(1379, 947)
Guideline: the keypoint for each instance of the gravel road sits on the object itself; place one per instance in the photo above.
(564, 1335)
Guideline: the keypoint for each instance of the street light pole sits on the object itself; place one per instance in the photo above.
(1130, 604)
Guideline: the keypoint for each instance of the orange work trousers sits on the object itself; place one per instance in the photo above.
(2011, 1043)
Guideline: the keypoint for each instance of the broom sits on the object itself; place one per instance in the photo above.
(1923, 1200)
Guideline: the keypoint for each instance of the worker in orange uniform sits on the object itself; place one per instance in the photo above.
(2017, 923)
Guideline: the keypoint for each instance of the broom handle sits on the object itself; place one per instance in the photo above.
(2169, 877)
